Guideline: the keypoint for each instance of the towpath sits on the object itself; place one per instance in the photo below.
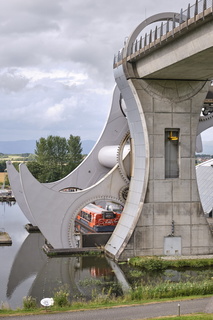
(135, 312)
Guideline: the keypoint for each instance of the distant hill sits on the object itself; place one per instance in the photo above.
(17, 147)
(28, 146)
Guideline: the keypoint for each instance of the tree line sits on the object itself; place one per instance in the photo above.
(54, 157)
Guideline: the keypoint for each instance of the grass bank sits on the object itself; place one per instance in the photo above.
(172, 290)
(167, 288)
(91, 306)
(160, 263)
(97, 303)
(138, 294)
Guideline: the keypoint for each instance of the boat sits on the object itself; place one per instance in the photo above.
(93, 219)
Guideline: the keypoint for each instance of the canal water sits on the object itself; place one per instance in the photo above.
(25, 270)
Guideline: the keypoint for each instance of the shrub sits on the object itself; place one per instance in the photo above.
(103, 297)
(149, 263)
(29, 303)
(88, 282)
(136, 273)
(61, 297)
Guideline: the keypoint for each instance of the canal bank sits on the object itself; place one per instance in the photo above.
(134, 312)
(28, 271)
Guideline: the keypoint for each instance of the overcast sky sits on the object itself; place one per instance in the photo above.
(56, 75)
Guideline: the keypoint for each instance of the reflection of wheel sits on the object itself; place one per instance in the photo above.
(123, 193)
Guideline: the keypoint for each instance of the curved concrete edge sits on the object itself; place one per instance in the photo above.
(91, 170)
(205, 123)
(16, 187)
(25, 262)
(55, 212)
(140, 168)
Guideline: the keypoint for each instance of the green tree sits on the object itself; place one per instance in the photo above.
(55, 157)
(74, 155)
(32, 157)
(25, 155)
(51, 157)
(41, 150)
(2, 166)
(36, 169)
(16, 165)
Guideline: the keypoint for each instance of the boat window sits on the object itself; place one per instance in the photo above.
(108, 214)
(86, 216)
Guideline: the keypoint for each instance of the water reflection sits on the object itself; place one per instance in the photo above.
(25, 270)
(28, 261)
(28, 271)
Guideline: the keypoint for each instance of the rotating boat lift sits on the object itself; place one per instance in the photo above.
(104, 173)
(116, 170)
(99, 162)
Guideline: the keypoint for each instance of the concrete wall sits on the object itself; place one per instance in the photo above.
(171, 104)
(94, 239)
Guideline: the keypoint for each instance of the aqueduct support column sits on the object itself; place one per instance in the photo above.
(163, 209)
(171, 220)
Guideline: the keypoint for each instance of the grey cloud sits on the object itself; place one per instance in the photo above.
(12, 82)
(25, 23)
(80, 36)
(47, 8)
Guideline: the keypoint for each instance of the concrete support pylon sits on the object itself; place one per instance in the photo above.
(168, 214)
(172, 220)
(163, 203)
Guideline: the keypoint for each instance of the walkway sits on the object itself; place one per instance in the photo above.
(128, 313)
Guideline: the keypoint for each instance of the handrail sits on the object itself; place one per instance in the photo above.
(171, 23)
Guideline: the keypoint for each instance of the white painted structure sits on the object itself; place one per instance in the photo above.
(163, 80)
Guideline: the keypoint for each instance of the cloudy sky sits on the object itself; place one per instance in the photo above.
(56, 58)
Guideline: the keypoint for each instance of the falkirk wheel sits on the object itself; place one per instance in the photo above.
(143, 161)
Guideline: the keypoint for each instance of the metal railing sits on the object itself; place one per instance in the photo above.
(165, 27)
